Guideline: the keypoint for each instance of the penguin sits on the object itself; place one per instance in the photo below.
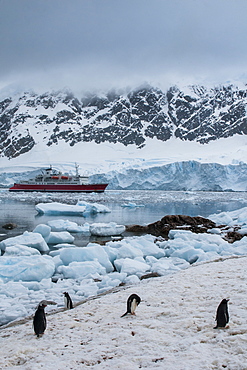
(132, 302)
(68, 301)
(39, 320)
(222, 315)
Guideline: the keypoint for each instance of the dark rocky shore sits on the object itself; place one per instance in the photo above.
(195, 224)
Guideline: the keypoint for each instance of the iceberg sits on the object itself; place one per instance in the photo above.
(80, 209)
(60, 209)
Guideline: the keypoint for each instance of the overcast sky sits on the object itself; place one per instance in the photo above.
(90, 44)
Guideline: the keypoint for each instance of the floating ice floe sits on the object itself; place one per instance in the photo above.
(81, 208)
(59, 209)
(93, 207)
(106, 229)
(72, 227)
(132, 205)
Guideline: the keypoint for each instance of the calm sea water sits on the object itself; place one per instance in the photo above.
(151, 206)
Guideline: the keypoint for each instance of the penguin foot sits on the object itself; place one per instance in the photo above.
(40, 335)
(221, 327)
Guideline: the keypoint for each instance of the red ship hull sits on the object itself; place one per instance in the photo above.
(89, 188)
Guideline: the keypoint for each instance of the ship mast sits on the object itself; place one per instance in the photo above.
(77, 170)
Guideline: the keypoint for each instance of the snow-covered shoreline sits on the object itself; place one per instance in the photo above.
(172, 329)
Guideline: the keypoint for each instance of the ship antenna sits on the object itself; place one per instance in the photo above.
(76, 169)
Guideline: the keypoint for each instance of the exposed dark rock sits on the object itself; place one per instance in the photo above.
(151, 275)
(233, 236)
(161, 228)
(9, 226)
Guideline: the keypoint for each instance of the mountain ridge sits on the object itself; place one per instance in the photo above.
(195, 114)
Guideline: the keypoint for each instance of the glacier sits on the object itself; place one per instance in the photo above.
(178, 176)
(186, 175)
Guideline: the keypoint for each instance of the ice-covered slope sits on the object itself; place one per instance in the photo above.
(190, 175)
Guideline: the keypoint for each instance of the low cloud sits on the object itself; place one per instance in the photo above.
(98, 44)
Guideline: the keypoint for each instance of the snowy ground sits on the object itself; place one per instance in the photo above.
(172, 329)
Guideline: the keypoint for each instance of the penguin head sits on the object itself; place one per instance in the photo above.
(224, 301)
(42, 304)
(45, 303)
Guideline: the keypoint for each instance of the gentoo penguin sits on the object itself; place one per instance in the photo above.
(39, 320)
(132, 303)
(67, 300)
(222, 316)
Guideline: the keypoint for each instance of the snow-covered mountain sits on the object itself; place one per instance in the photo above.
(197, 114)
(125, 133)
